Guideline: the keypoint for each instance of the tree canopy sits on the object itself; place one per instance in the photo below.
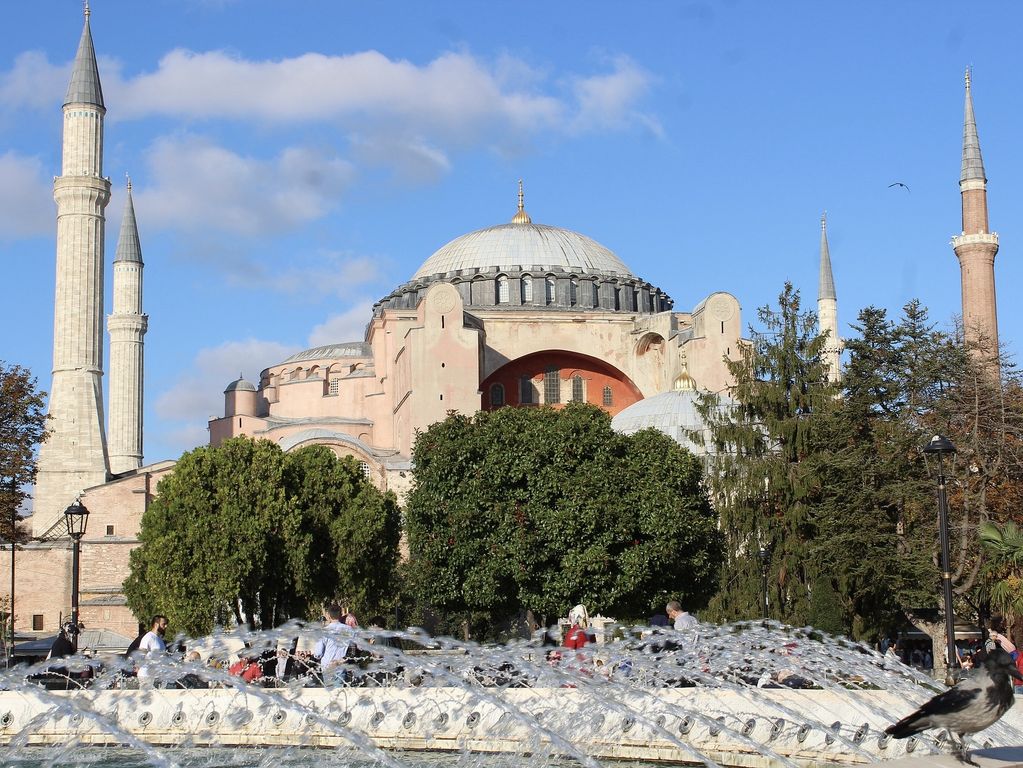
(22, 429)
(245, 532)
(831, 479)
(539, 508)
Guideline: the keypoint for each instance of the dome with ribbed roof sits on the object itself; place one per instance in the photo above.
(240, 385)
(524, 246)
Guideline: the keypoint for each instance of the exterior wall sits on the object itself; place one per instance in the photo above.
(43, 570)
(717, 333)
(438, 357)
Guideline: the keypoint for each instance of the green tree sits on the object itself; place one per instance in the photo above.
(22, 430)
(762, 476)
(245, 532)
(1004, 546)
(540, 508)
(874, 510)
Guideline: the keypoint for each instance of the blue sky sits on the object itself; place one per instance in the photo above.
(292, 162)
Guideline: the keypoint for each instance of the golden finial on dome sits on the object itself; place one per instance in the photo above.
(521, 217)
(685, 382)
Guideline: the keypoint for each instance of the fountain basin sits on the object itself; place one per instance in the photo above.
(807, 727)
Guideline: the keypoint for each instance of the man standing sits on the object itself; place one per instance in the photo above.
(153, 639)
(332, 647)
(680, 619)
(151, 644)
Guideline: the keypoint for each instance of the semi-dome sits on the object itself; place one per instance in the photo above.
(523, 245)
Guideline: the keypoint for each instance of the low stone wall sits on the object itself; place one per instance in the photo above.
(753, 728)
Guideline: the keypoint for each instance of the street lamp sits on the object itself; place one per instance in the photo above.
(765, 564)
(76, 516)
(941, 447)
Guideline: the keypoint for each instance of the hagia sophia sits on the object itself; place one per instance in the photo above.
(515, 314)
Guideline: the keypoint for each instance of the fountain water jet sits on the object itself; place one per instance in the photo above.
(648, 697)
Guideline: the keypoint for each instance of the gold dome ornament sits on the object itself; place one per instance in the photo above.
(521, 217)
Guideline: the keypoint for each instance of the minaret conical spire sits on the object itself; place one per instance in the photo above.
(827, 308)
(75, 455)
(127, 327)
(976, 246)
(128, 245)
(973, 163)
(85, 87)
(826, 282)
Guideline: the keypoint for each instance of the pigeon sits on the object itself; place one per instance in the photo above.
(971, 706)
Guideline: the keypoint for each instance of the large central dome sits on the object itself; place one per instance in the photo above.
(523, 245)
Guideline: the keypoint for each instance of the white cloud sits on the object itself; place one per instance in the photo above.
(198, 394)
(347, 326)
(609, 101)
(453, 93)
(26, 198)
(330, 275)
(412, 159)
(198, 185)
(33, 81)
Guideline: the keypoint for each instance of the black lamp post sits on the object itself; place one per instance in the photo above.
(76, 516)
(941, 447)
(765, 564)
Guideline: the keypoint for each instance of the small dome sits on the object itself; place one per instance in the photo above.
(240, 385)
(524, 245)
(332, 352)
(673, 413)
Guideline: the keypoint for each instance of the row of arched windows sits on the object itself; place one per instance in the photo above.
(549, 288)
(529, 394)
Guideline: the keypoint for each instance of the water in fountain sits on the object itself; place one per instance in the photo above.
(744, 694)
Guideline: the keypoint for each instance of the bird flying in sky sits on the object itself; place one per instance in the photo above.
(971, 706)
(898, 184)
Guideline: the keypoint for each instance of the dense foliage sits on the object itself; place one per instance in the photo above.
(538, 509)
(244, 532)
(831, 480)
(22, 429)
(764, 439)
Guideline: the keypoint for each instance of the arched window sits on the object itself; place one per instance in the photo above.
(549, 290)
(596, 294)
(364, 466)
(334, 387)
(609, 398)
(551, 387)
(573, 292)
(526, 391)
(618, 298)
(502, 289)
(577, 388)
(496, 395)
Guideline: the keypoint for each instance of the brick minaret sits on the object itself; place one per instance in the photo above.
(977, 245)
(127, 327)
(827, 307)
(75, 456)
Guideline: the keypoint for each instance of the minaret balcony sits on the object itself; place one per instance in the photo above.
(983, 238)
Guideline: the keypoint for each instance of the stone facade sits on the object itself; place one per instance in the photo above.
(532, 315)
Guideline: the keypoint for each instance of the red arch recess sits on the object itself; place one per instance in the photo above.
(596, 373)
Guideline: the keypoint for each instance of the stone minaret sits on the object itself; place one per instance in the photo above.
(977, 245)
(827, 307)
(127, 327)
(75, 456)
